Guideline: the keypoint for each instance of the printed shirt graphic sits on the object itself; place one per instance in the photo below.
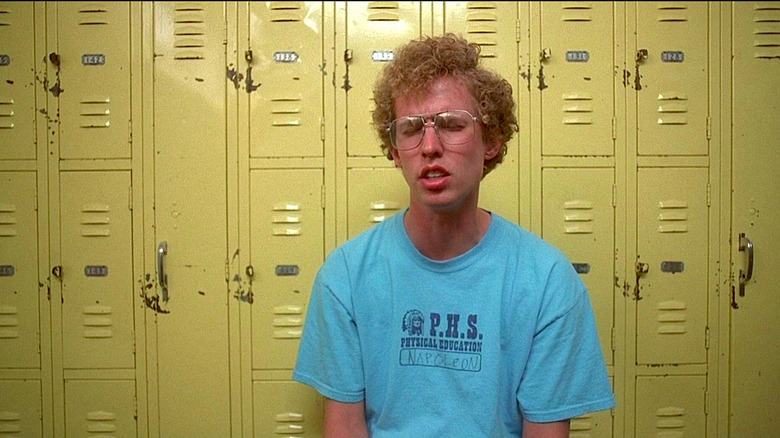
(464, 347)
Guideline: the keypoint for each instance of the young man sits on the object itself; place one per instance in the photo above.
(446, 319)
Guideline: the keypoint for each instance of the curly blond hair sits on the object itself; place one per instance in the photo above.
(420, 63)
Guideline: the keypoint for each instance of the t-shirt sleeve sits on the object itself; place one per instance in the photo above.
(565, 374)
(329, 356)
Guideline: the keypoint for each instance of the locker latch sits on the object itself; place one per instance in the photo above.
(348, 56)
(641, 55)
(545, 54)
(57, 271)
(249, 56)
(642, 268)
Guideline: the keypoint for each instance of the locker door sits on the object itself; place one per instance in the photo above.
(577, 62)
(17, 81)
(755, 334)
(93, 82)
(19, 323)
(20, 415)
(671, 77)
(97, 270)
(374, 30)
(493, 26)
(287, 250)
(192, 353)
(285, 79)
(100, 408)
(592, 425)
(373, 196)
(672, 252)
(578, 218)
(670, 406)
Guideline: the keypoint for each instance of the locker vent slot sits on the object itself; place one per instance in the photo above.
(576, 12)
(480, 28)
(672, 13)
(282, 12)
(766, 34)
(6, 113)
(8, 322)
(581, 424)
(10, 422)
(93, 15)
(101, 422)
(674, 221)
(285, 110)
(577, 107)
(7, 220)
(95, 220)
(188, 32)
(578, 221)
(672, 108)
(671, 318)
(384, 11)
(670, 418)
(95, 113)
(97, 322)
(287, 322)
(381, 210)
(5, 12)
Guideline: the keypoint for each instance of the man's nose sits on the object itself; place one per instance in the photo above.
(431, 143)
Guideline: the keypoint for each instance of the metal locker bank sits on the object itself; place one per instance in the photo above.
(173, 174)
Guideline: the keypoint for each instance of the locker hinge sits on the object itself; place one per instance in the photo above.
(706, 403)
(614, 128)
(706, 338)
(517, 30)
(614, 195)
(322, 197)
(709, 128)
(322, 129)
(130, 198)
(612, 340)
(709, 194)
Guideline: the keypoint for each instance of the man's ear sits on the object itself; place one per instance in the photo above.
(492, 150)
(396, 157)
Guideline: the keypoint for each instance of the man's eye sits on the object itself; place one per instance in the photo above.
(451, 123)
(410, 126)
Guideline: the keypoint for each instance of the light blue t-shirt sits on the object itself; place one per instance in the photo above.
(460, 348)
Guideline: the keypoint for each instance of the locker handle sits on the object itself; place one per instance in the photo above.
(745, 244)
(162, 278)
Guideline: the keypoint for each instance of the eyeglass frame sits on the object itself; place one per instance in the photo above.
(426, 124)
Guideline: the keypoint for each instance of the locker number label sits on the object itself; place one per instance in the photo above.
(672, 56)
(672, 267)
(5, 60)
(93, 59)
(286, 57)
(577, 56)
(6, 271)
(287, 270)
(382, 55)
(96, 271)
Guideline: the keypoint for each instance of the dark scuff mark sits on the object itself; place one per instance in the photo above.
(626, 77)
(199, 79)
(234, 77)
(200, 292)
(586, 78)
(542, 85)
(235, 254)
(526, 74)
(346, 86)
(734, 304)
(637, 79)
(9, 82)
(146, 285)
(250, 85)
(323, 68)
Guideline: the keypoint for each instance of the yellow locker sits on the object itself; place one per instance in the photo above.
(286, 409)
(670, 406)
(671, 78)
(19, 340)
(373, 31)
(17, 81)
(190, 195)
(576, 78)
(578, 218)
(100, 408)
(96, 270)
(285, 79)
(20, 413)
(93, 79)
(671, 269)
(373, 196)
(493, 25)
(287, 250)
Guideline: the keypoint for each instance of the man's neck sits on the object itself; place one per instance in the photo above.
(446, 235)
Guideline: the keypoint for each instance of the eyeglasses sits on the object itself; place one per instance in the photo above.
(452, 127)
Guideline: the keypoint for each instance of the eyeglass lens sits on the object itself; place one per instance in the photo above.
(452, 127)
